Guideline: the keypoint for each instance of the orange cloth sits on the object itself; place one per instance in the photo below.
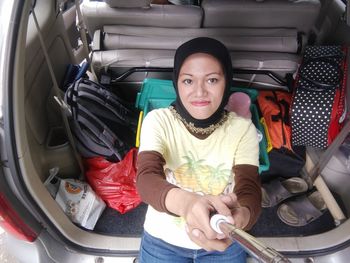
(274, 106)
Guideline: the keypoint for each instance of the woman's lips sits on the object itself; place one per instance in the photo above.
(200, 103)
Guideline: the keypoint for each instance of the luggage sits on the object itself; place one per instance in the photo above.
(274, 107)
(318, 108)
(102, 124)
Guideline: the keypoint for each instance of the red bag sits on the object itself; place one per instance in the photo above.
(114, 182)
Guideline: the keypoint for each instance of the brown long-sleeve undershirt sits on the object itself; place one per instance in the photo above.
(153, 187)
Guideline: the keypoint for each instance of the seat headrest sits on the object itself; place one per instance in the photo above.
(128, 3)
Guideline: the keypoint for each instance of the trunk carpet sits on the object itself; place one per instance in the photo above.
(130, 224)
(269, 225)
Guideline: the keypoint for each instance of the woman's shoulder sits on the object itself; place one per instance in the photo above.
(234, 119)
(239, 126)
(160, 114)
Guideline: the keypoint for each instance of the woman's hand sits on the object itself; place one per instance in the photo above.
(197, 236)
(239, 217)
(197, 215)
(240, 214)
(196, 210)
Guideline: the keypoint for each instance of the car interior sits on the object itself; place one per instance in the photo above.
(261, 35)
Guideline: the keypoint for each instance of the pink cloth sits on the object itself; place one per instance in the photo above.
(239, 102)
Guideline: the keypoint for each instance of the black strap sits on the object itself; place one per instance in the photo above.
(101, 131)
(122, 113)
(333, 60)
(277, 117)
(89, 145)
(87, 127)
(285, 117)
(97, 93)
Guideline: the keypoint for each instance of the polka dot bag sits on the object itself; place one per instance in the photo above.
(318, 107)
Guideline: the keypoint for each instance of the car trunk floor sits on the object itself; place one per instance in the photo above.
(130, 224)
(269, 225)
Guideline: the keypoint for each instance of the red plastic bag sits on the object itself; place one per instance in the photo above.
(114, 182)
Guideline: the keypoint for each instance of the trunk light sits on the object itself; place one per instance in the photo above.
(11, 222)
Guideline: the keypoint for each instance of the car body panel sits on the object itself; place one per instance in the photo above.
(58, 239)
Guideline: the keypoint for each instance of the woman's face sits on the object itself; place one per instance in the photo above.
(201, 85)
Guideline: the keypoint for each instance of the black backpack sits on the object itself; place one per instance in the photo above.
(102, 124)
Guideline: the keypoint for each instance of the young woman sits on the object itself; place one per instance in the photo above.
(196, 159)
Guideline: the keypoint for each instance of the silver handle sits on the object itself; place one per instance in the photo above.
(251, 244)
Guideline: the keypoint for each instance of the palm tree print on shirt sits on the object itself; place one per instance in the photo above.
(196, 176)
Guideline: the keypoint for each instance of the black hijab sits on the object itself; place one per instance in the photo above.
(219, 51)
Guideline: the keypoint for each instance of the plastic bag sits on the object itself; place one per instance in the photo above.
(76, 198)
(115, 183)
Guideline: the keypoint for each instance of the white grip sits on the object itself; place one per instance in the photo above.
(215, 221)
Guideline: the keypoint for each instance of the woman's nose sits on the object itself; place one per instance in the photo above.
(200, 89)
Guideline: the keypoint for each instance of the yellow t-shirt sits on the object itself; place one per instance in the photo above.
(201, 166)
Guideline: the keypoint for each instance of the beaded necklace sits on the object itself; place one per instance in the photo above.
(194, 129)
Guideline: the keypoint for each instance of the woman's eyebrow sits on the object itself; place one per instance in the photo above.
(188, 74)
(213, 73)
(208, 74)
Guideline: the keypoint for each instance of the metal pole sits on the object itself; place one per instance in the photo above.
(251, 244)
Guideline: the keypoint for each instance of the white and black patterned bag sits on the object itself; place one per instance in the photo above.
(318, 106)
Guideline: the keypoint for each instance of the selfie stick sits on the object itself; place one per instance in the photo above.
(252, 245)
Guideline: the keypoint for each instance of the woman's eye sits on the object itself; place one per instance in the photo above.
(187, 81)
(212, 80)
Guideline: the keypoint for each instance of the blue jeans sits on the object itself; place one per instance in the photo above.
(155, 250)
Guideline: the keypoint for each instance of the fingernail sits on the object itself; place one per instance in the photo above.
(230, 219)
(221, 236)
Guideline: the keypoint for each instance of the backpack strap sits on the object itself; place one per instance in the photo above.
(100, 130)
(98, 94)
(112, 145)
(87, 145)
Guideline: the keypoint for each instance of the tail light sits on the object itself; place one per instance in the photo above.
(12, 223)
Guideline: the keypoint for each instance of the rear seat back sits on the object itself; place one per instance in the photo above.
(139, 13)
(237, 39)
(270, 34)
(119, 61)
(300, 15)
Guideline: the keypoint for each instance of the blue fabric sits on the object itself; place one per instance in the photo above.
(154, 250)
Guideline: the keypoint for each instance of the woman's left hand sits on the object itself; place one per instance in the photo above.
(240, 214)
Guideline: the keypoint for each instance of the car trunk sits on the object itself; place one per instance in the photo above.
(42, 144)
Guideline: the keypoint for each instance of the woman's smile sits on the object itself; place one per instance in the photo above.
(200, 103)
